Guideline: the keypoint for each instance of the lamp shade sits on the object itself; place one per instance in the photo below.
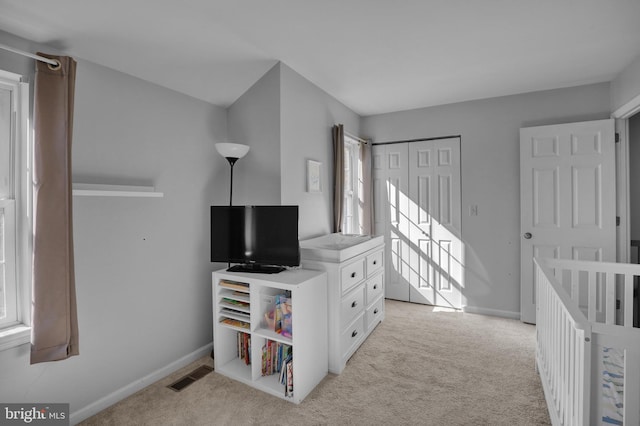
(232, 150)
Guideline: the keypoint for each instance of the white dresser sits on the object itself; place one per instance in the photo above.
(355, 290)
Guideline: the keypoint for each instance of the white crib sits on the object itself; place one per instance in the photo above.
(589, 365)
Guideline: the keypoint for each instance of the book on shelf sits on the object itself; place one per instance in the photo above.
(235, 323)
(244, 347)
(288, 391)
(273, 356)
(234, 285)
(237, 303)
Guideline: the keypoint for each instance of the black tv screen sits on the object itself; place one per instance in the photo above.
(255, 235)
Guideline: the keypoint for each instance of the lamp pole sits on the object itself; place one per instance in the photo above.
(232, 162)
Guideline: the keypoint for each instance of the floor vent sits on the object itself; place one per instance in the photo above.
(190, 378)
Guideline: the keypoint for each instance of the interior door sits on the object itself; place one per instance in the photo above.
(417, 189)
(567, 198)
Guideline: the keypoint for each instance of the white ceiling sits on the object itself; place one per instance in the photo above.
(375, 56)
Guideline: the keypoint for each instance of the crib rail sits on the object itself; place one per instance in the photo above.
(597, 286)
(562, 352)
(577, 332)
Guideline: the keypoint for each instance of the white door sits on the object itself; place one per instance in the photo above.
(567, 198)
(418, 209)
(391, 186)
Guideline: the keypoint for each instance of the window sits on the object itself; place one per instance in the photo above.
(15, 222)
(352, 186)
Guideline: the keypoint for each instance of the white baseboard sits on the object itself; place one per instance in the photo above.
(133, 387)
(491, 312)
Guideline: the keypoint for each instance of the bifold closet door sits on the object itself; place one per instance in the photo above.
(418, 210)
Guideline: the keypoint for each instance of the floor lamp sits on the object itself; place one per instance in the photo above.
(232, 152)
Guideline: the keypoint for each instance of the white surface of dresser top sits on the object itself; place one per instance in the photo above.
(337, 247)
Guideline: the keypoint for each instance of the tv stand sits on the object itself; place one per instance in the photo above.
(256, 269)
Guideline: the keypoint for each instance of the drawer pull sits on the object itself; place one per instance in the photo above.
(375, 311)
(354, 304)
(353, 275)
(375, 262)
(355, 333)
(375, 286)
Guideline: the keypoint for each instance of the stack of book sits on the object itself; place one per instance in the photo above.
(244, 347)
(275, 357)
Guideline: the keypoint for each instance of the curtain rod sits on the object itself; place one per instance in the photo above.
(30, 55)
(418, 140)
(355, 137)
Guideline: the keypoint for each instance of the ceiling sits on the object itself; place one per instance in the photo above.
(375, 56)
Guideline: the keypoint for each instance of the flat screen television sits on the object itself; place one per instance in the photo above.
(260, 239)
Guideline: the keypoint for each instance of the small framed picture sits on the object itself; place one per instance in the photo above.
(314, 176)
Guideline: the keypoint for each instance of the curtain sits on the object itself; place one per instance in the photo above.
(366, 211)
(338, 176)
(54, 334)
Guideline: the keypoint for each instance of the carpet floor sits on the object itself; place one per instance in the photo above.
(421, 366)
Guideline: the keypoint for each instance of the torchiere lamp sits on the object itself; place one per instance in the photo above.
(232, 152)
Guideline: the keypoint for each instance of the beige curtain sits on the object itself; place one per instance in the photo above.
(54, 334)
(367, 213)
(338, 176)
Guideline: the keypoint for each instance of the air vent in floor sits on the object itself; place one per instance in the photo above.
(190, 378)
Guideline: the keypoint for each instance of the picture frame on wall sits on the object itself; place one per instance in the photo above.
(314, 176)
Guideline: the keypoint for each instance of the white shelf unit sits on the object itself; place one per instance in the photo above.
(355, 301)
(98, 190)
(308, 290)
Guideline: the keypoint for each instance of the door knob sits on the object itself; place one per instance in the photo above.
(527, 235)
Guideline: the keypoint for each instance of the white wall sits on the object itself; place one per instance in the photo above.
(254, 120)
(307, 115)
(626, 86)
(490, 174)
(143, 274)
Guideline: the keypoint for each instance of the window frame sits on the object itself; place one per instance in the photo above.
(18, 331)
(351, 186)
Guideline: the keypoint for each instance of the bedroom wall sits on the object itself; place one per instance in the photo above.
(286, 120)
(626, 85)
(490, 175)
(254, 120)
(307, 115)
(142, 270)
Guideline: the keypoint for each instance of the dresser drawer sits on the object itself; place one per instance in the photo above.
(352, 274)
(352, 336)
(351, 306)
(375, 262)
(374, 288)
(374, 313)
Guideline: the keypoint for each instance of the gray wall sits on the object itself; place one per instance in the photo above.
(286, 120)
(308, 113)
(490, 174)
(626, 85)
(142, 271)
(254, 120)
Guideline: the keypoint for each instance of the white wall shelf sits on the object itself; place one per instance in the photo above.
(98, 190)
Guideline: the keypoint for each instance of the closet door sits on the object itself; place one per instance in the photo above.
(390, 180)
(418, 210)
(434, 216)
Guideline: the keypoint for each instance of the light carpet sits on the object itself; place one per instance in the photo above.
(421, 366)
